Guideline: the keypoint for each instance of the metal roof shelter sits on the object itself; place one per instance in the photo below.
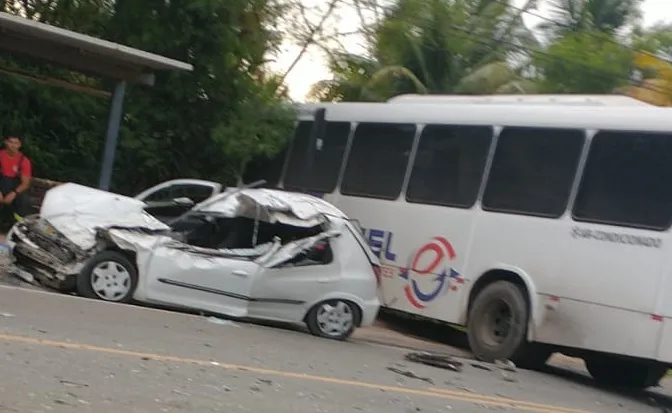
(89, 55)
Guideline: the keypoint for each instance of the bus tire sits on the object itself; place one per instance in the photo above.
(497, 327)
(616, 372)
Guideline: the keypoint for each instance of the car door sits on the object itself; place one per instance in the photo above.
(170, 199)
(296, 273)
(200, 278)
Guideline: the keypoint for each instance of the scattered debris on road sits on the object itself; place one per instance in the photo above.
(448, 362)
(221, 321)
(410, 374)
(443, 361)
(508, 378)
(507, 365)
(72, 383)
(480, 366)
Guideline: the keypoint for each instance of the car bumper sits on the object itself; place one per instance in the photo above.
(28, 256)
(369, 312)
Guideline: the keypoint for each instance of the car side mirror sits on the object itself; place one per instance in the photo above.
(183, 201)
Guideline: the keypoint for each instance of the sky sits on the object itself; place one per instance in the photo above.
(311, 68)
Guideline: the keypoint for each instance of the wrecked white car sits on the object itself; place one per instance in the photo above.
(247, 253)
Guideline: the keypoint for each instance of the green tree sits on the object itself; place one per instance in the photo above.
(200, 124)
(434, 46)
(656, 39)
(652, 61)
(584, 62)
(606, 16)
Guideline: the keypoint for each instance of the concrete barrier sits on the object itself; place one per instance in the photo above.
(38, 188)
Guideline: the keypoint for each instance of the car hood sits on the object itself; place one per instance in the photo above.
(76, 211)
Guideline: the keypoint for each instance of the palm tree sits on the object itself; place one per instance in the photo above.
(436, 46)
(606, 16)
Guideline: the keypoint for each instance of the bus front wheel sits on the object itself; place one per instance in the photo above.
(497, 327)
(616, 372)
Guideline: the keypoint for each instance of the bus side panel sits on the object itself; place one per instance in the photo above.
(665, 347)
(613, 283)
(612, 286)
(422, 249)
(592, 326)
(665, 308)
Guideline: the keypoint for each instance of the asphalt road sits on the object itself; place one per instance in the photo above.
(68, 354)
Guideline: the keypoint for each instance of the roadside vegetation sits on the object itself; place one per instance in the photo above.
(235, 105)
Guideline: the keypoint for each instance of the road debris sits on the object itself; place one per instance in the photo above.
(22, 275)
(507, 365)
(72, 383)
(8, 315)
(507, 377)
(443, 361)
(410, 374)
(480, 366)
(222, 322)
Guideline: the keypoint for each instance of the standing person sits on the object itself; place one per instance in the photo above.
(16, 172)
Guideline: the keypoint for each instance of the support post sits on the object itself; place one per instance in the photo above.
(112, 135)
(316, 133)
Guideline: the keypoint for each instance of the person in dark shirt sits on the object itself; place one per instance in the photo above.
(16, 171)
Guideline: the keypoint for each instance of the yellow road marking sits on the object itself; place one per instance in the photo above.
(431, 392)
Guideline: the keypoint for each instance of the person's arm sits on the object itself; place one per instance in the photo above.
(26, 176)
(24, 185)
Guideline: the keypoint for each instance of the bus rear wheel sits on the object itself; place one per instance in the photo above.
(497, 327)
(617, 372)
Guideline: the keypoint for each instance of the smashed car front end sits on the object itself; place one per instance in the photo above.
(44, 254)
(53, 247)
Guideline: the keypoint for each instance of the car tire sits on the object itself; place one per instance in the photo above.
(612, 371)
(108, 276)
(333, 319)
(497, 327)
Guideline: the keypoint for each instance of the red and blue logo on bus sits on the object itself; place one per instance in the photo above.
(432, 261)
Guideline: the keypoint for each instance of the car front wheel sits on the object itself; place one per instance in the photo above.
(334, 319)
(108, 276)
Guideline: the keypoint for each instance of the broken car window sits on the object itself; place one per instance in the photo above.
(210, 231)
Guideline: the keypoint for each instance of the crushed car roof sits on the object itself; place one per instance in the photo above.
(272, 205)
(77, 210)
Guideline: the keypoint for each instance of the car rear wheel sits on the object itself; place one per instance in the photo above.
(108, 276)
(334, 319)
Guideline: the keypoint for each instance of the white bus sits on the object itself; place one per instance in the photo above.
(540, 228)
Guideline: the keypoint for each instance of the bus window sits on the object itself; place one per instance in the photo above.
(449, 165)
(327, 159)
(533, 171)
(378, 159)
(626, 180)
